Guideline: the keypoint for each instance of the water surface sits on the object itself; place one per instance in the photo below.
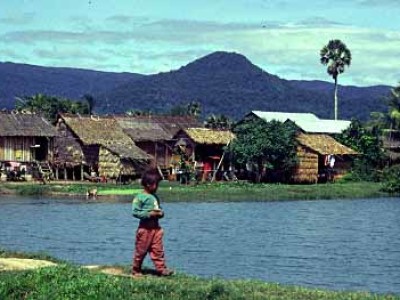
(335, 244)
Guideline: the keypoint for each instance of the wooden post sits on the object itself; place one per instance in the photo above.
(65, 172)
(81, 172)
(219, 164)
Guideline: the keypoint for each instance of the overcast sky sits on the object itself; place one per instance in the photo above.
(144, 36)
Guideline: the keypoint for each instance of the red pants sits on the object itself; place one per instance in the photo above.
(149, 241)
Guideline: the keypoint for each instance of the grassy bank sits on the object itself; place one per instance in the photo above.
(215, 192)
(73, 282)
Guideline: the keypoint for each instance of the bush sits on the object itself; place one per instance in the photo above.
(391, 179)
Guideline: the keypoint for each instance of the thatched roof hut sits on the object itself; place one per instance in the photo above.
(154, 134)
(209, 136)
(141, 129)
(203, 147)
(99, 141)
(27, 125)
(324, 144)
(25, 137)
(391, 144)
(155, 127)
(312, 151)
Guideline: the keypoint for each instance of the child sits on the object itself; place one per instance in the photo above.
(149, 235)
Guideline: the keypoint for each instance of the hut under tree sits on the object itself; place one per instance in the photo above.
(96, 145)
(154, 135)
(313, 153)
(204, 150)
(391, 144)
(25, 139)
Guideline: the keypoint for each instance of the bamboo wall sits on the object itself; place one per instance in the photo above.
(306, 170)
(16, 148)
(111, 165)
(67, 149)
(159, 150)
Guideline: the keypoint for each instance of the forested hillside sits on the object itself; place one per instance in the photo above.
(224, 83)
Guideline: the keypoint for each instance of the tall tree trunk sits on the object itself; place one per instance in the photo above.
(336, 100)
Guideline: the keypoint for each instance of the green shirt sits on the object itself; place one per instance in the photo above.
(143, 204)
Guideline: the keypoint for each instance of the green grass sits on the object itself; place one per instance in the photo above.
(72, 282)
(213, 192)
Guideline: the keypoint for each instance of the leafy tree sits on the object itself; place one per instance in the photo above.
(90, 102)
(366, 141)
(193, 109)
(190, 109)
(220, 122)
(336, 56)
(269, 146)
(50, 106)
(394, 107)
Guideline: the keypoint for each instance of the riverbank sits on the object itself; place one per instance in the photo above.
(75, 282)
(208, 192)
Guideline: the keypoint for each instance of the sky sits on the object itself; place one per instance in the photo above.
(283, 37)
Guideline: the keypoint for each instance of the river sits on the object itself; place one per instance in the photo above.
(335, 244)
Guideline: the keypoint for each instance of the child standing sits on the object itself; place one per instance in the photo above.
(149, 235)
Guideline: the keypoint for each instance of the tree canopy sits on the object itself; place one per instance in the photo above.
(366, 141)
(269, 146)
(50, 106)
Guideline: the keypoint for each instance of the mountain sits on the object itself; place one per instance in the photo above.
(223, 82)
(17, 80)
(230, 84)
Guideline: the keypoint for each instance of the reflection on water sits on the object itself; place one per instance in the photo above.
(336, 244)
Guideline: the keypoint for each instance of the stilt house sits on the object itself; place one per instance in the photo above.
(96, 144)
(25, 138)
(204, 148)
(154, 134)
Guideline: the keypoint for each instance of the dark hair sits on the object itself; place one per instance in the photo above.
(150, 177)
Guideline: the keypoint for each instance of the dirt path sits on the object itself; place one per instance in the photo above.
(19, 264)
(16, 264)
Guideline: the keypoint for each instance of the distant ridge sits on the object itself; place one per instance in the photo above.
(223, 82)
(228, 83)
(17, 80)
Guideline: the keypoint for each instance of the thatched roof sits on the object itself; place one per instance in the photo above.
(209, 136)
(140, 129)
(105, 132)
(324, 144)
(155, 127)
(25, 125)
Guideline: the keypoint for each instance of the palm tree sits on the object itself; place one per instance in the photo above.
(336, 56)
(193, 109)
(90, 102)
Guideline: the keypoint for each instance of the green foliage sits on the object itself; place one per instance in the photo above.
(391, 179)
(72, 282)
(267, 145)
(50, 106)
(394, 107)
(220, 122)
(336, 56)
(192, 108)
(368, 143)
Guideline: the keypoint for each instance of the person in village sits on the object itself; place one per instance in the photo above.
(330, 164)
(149, 235)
